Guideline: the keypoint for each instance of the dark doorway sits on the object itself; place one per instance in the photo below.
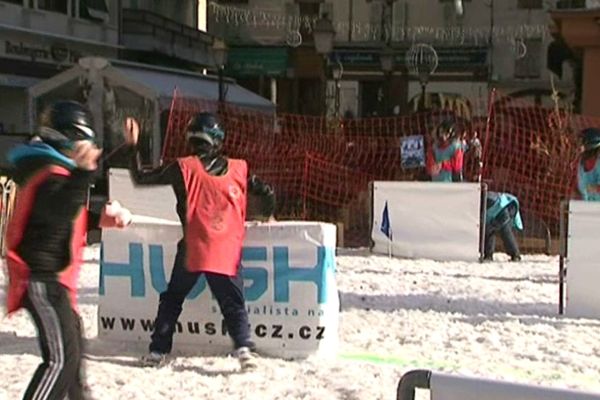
(372, 99)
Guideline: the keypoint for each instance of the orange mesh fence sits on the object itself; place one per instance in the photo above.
(320, 168)
(532, 152)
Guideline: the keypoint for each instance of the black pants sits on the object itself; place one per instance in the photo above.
(504, 229)
(228, 290)
(61, 343)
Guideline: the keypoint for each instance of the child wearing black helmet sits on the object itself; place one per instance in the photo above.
(211, 192)
(445, 155)
(45, 241)
(588, 167)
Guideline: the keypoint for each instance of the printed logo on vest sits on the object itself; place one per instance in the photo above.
(234, 192)
(218, 223)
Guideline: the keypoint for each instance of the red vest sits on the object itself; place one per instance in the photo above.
(18, 271)
(216, 212)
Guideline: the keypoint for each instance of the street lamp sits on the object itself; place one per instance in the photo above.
(219, 49)
(323, 34)
(387, 65)
(422, 61)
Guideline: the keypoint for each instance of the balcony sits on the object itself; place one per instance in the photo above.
(42, 21)
(146, 31)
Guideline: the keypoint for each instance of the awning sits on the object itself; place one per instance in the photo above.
(190, 85)
(17, 81)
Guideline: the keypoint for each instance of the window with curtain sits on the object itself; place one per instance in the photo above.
(94, 9)
(530, 4)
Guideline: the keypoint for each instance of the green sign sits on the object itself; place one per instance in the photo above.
(256, 61)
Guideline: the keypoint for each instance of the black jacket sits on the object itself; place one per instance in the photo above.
(46, 241)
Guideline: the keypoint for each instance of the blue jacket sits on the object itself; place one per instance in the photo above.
(588, 178)
(498, 202)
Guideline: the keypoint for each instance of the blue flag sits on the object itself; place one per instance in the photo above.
(386, 226)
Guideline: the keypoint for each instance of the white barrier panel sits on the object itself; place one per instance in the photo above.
(583, 260)
(449, 387)
(152, 201)
(438, 221)
(289, 273)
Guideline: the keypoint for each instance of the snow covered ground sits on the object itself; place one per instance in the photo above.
(496, 320)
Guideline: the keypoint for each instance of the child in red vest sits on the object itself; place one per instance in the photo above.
(45, 241)
(588, 167)
(211, 192)
(445, 155)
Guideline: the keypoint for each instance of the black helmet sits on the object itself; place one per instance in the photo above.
(204, 127)
(447, 126)
(64, 122)
(590, 138)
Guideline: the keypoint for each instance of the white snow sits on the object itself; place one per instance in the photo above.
(496, 320)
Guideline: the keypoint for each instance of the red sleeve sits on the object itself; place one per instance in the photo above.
(430, 161)
(573, 186)
(457, 161)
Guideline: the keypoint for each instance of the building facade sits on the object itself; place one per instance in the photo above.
(41, 38)
(166, 33)
(479, 44)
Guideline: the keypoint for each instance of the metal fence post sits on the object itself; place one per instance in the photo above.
(563, 241)
(483, 210)
(415, 379)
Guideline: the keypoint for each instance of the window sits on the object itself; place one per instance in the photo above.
(454, 12)
(59, 6)
(399, 19)
(326, 9)
(569, 4)
(94, 9)
(310, 11)
(530, 66)
(530, 4)
(376, 11)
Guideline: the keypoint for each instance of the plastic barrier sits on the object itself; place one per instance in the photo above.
(582, 273)
(439, 221)
(289, 271)
(454, 387)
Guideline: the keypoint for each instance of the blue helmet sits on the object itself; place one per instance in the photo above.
(590, 138)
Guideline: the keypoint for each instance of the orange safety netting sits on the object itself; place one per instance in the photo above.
(532, 153)
(321, 168)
